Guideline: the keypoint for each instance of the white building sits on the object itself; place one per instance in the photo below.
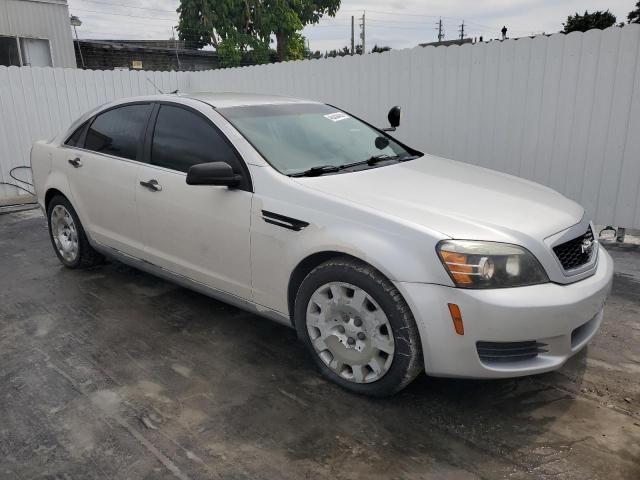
(36, 33)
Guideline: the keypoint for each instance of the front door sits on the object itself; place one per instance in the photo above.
(200, 232)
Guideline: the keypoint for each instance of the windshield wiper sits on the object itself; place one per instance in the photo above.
(317, 171)
(371, 161)
(380, 158)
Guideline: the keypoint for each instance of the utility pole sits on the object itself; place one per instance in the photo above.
(362, 34)
(175, 43)
(462, 31)
(352, 34)
(75, 22)
(440, 30)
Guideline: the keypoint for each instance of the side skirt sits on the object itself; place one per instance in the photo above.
(187, 282)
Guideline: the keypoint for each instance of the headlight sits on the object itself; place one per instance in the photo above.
(474, 264)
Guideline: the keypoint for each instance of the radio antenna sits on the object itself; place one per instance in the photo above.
(154, 85)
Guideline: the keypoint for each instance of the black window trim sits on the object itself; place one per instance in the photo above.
(150, 130)
(139, 151)
(83, 127)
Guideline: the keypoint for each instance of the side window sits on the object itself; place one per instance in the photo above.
(182, 139)
(119, 131)
(73, 140)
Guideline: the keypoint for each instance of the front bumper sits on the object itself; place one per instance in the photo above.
(564, 318)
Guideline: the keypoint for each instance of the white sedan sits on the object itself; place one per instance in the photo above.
(386, 261)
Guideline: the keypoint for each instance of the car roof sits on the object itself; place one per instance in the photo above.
(231, 99)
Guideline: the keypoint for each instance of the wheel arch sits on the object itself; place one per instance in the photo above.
(52, 192)
(307, 264)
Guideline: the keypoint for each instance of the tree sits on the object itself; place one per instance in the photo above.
(297, 48)
(582, 23)
(229, 54)
(343, 52)
(634, 16)
(249, 24)
(377, 49)
(209, 22)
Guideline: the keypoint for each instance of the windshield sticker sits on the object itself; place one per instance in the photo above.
(336, 117)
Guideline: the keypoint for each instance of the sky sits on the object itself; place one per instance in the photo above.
(394, 23)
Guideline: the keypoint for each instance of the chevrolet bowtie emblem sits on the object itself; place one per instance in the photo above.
(587, 245)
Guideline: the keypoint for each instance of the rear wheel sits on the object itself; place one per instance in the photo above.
(358, 328)
(67, 235)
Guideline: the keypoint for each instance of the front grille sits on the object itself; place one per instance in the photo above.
(509, 351)
(576, 252)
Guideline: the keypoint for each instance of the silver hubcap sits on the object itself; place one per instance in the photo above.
(350, 332)
(65, 235)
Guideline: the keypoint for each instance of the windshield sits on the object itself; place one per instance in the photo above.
(298, 137)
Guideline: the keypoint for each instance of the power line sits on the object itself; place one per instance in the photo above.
(124, 5)
(123, 15)
(395, 13)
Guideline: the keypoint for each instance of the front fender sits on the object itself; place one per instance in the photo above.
(401, 252)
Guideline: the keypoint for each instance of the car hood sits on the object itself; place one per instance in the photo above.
(456, 199)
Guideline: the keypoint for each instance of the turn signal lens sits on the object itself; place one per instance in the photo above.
(456, 316)
(458, 266)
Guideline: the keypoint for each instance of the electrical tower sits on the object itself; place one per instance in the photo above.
(362, 34)
(440, 30)
(462, 31)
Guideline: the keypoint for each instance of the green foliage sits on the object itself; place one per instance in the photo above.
(582, 23)
(343, 52)
(249, 24)
(259, 54)
(192, 27)
(297, 47)
(377, 49)
(229, 53)
(634, 16)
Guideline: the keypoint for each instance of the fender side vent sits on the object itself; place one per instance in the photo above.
(283, 221)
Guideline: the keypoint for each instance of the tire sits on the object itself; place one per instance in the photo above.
(68, 237)
(361, 352)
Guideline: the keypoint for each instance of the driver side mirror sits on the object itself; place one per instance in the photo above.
(213, 173)
(394, 119)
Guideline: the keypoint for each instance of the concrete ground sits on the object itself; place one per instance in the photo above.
(112, 373)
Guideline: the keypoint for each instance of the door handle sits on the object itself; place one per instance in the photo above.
(75, 162)
(152, 185)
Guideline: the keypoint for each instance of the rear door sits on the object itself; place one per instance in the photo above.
(198, 231)
(102, 171)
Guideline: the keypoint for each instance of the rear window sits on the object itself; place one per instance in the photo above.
(119, 131)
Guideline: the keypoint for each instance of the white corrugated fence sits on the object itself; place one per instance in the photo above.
(38, 103)
(562, 110)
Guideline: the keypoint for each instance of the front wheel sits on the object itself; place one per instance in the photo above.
(358, 328)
